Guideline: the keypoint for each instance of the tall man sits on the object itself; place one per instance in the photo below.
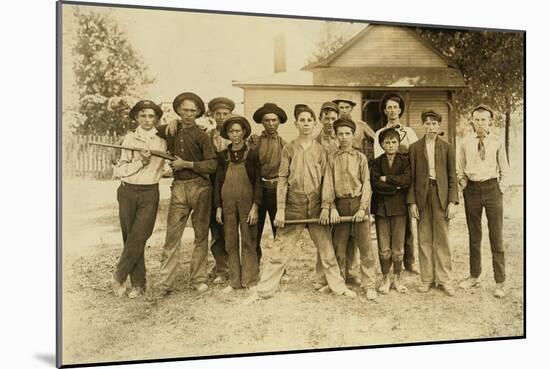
(392, 106)
(220, 108)
(483, 175)
(270, 146)
(191, 191)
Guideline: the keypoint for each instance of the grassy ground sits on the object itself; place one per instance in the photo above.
(97, 326)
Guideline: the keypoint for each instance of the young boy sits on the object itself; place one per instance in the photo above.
(191, 191)
(346, 186)
(237, 196)
(302, 167)
(220, 108)
(390, 178)
(327, 137)
(432, 198)
(138, 195)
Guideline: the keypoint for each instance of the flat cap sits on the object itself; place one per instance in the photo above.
(484, 107)
(343, 122)
(145, 104)
(430, 113)
(329, 105)
(221, 102)
(300, 108)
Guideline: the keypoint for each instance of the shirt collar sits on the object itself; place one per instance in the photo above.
(267, 135)
(342, 152)
(145, 135)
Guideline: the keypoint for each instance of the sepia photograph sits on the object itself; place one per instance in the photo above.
(239, 184)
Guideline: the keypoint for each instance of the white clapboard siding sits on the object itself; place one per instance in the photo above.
(388, 46)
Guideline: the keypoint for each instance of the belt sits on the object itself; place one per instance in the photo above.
(483, 182)
(270, 180)
(139, 186)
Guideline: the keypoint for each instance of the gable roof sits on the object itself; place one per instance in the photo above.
(326, 62)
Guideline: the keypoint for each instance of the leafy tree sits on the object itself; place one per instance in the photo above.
(492, 64)
(331, 37)
(109, 74)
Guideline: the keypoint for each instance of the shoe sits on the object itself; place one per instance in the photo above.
(252, 298)
(499, 291)
(412, 269)
(227, 289)
(448, 289)
(385, 286)
(399, 287)
(371, 294)
(220, 280)
(353, 281)
(349, 293)
(318, 285)
(200, 287)
(470, 282)
(324, 289)
(136, 292)
(118, 288)
(424, 287)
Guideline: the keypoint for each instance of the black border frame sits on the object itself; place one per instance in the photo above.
(58, 251)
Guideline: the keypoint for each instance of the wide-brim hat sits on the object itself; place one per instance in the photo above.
(189, 96)
(269, 108)
(344, 122)
(221, 102)
(430, 113)
(346, 99)
(145, 104)
(232, 119)
(388, 96)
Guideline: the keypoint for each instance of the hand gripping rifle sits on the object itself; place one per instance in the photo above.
(160, 154)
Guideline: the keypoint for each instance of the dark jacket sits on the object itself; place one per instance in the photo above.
(252, 165)
(445, 173)
(389, 198)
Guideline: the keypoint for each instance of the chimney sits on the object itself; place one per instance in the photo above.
(279, 54)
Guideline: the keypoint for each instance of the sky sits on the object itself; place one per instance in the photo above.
(204, 53)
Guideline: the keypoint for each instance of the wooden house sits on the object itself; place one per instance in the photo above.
(379, 59)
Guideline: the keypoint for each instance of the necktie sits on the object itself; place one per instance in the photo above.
(481, 147)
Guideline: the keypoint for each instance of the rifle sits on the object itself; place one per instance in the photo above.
(343, 219)
(160, 154)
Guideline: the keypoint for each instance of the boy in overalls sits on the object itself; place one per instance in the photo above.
(237, 196)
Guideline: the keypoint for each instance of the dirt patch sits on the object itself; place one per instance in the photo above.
(98, 327)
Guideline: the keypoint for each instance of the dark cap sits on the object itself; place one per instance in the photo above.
(269, 108)
(484, 107)
(343, 122)
(145, 104)
(393, 96)
(232, 119)
(189, 96)
(329, 105)
(221, 102)
(386, 132)
(430, 113)
(300, 108)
